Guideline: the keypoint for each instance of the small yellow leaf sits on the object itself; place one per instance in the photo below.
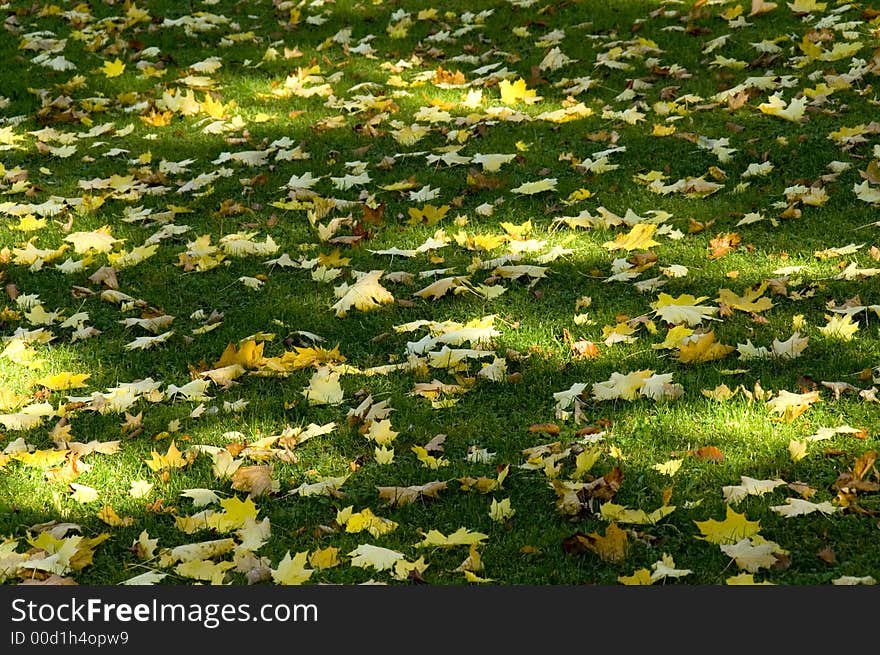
(113, 68)
(292, 571)
(514, 92)
(639, 577)
(429, 460)
(324, 388)
(326, 558)
(383, 455)
(797, 449)
(83, 493)
(501, 511)
(669, 467)
(140, 488)
(111, 518)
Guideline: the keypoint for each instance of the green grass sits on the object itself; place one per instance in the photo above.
(531, 320)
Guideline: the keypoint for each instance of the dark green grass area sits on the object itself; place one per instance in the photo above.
(383, 66)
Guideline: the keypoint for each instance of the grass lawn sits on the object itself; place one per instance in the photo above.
(497, 291)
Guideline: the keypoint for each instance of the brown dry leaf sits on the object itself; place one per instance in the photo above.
(864, 464)
(399, 496)
(806, 491)
(105, 275)
(827, 555)
(854, 481)
(51, 580)
(256, 480)
(374, 215)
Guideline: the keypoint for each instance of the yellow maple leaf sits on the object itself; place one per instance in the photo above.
(531, 188)
(683, 309)
(461, 537)
(140, 488)
(753, 554)
(669, 467)
(839, 327)
(703, 349)
(381, 432)
(111, 518)
(381, 559)
(236, 514)
(144, 547)
(427, 459)
(610, 547)
(249, 354)
(792, 111)
(806, 6)
(439, 288)
(97, 241)
(584, 461)
(304, 357)
(501, 511)
(749, 487)
(157, 118)
(745, 579)
(514, 92)
(43, 459)
(324, 388)
(292, 570)
(213, 107)
(64, 380)
(750, 301)
(427, 215)
(113, 68)
(383, 455)
(620, 514)
(11, 400)
(639, 577)
(366, 520)
(325, 558)
(791, 405)
(205, 570)
(365, 294)
(638, 238)
(674, 338)
(797, 450)
(732, 529)
(470, 576)
(171, 459)
(83, 493)
(621, 386)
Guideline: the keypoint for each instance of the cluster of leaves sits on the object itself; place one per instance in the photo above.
(435, 181)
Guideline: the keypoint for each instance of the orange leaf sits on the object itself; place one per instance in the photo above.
(547, 428)
(711, 453)
(723, 244)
